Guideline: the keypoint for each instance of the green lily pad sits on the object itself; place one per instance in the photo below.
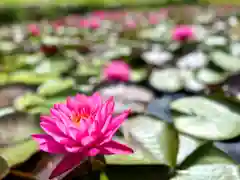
(3, 78)
(205, 118)
(19, 153)
(28, 77)
(206, 154)
(7, 46)
(4, 169)
(137, 158)
(28, 100)
(226, 61)
(53, 66)
(209, 76)
(17, 127)
(52, 87)
(209, 172)
(187, 145)
(88, 69)
(216, 41)
(138, 75)
(166, 80)
(156, 138)
(190, 81)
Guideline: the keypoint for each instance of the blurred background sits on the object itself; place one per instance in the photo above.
(178, 72)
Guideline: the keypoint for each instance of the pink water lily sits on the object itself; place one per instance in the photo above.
(117, 70)
(182, 33)
(33, 29)
(81, 127)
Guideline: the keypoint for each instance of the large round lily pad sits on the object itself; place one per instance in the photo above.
(168, 80)
(206, 118)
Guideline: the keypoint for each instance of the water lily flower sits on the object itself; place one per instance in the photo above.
(117, 70)
(33, 29)
(182, 33)
(81, 128)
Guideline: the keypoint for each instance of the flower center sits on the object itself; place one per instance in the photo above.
(76, 118)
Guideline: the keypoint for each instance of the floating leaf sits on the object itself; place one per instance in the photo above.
(4, 169)
(19, 153)
(193, 60)
(166, 80)
(138, 74)
(9, 93)
(209, 172)
(28, 77)
(28, 100)
(3, 78)
(209, 76)
(54, 66)
(206, 119)
(16, 127)
(216, 41)
(187, 145)
(226, 61)
(127, 96)
(190, 81)
(138, 157)
(54, 86)
(157, 139)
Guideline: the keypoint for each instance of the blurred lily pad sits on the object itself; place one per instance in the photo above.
(206, 119)
(53, 66)
(168, 79)
(213, 172)
(156, 138)
(3, 78)
(54, 86)
(17, 127)
(10, 92)
(138, 74)
(209, 76)
(226, 61)
(216, 41)
(4, 169)
(27, 101)
(127, 96)
(28, 77)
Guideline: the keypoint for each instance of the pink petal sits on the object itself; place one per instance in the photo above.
(117, 121)
(114, 147)
(48, 144)
(93, 152)
(68, 162)
(73, 149)
(56, 134)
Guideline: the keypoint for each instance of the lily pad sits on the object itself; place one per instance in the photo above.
(9, 93)
(209, 76)
(3, 78)
(17, 127)
(137, 158)
(138, 74)
(213, 172)
(4, 169)
(168, 80)
(156, 138)
(193, 60)
(28, 100)
(28, 77)
(187, 145)
(53, 66)
(52, 87)
(226, 61)
(127, 96)
(216, 41)
(206, 119)
(19, 153)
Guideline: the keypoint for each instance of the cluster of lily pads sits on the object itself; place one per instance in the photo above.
(186, 118)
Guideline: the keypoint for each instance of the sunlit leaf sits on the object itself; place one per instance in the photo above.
(156, 138)
(213, 172)
(209, 76)
(166, 79)
(226, 61)
(55, 86)
(206, 118)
